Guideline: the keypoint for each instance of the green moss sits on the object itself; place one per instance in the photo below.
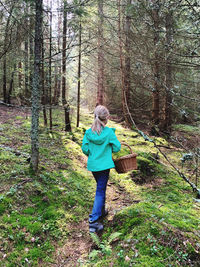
(186, 128)
(62, 193)
(29, 210)
(2, 208)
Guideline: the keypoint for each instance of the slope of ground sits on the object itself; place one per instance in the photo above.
(153, 218)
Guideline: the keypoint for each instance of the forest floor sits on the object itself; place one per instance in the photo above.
(153, 214)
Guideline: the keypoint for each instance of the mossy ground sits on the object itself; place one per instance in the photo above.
(41, 215)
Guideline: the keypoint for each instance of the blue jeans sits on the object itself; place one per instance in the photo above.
(101, 178)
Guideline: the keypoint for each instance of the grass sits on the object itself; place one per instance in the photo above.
(36, 212)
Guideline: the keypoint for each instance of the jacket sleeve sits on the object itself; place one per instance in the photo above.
(85, 145)
(114, 142)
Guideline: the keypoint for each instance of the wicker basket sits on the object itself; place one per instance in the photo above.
(126, 163)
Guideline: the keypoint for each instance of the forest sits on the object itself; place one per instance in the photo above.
(58, 61)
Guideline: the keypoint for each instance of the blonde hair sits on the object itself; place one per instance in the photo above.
(101, 115)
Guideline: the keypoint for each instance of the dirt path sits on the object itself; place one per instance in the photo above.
(79, 243)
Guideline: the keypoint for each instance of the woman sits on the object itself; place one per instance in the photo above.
(98, 144)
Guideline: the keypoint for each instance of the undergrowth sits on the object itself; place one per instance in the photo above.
(161, 229)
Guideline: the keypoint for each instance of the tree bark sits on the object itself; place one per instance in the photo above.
(44, 91)
(20, 79)
(100, 79)
(58, 73)
(11, 85)
(57, 86)
(26, 63)
(64, 101)
(122, 69)
(26, 70)
(79, 76)
(31, 56)
(5, 58)
(50, 66)
(4, 79)
(156, 67)
(167, 121)
(36, 87)
(127, 78)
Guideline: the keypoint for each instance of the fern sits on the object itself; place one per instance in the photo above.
(93, 254)
(113, 237)
(95, 239)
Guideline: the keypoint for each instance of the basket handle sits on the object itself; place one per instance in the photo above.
(125, 144)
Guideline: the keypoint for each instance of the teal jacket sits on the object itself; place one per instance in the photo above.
(99, 149)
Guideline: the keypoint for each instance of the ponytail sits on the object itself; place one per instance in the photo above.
(101, 115)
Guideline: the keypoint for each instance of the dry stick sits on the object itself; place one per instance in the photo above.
(194, 187)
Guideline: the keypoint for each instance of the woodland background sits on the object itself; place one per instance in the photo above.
(58, 60)
(147, 51)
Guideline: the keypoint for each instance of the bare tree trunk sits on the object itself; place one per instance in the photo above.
(122, 68)
(44, 93)
(127, 78)
(79, 76)
(56, 95)
(26, 62)
(50, 65)
(58, 67)
(26, 70)
(11, 85)
(31, 57)
(64, 101)
(167, 121)
(100, 79)
(156, 67)
(4, 79)
(20, 78)
(5, 58)
(36, 88)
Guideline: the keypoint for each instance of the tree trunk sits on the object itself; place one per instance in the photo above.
(167, 121)
(100, 79)
(4, 80)
(5, 58)
(11, 85)
(31, 57)
(79, 76)
(127, 78)
(58, 73)
(36, 87)
(50, 79)
(57, 86)
(156, 67)
(44, 93)
(64, 101)
(122, 69)
(26, 64)
(20, 79)
(26, 71)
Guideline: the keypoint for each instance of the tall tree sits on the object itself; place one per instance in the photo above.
(36, 87)
(44, 91)
(125, 108)
(127, 78)
(64, 47)
(167, 120)
(79, 75)
(58, 74)
(5, 46)
(156, 60)
(100, 78)
(50, 67)
(26, 70)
